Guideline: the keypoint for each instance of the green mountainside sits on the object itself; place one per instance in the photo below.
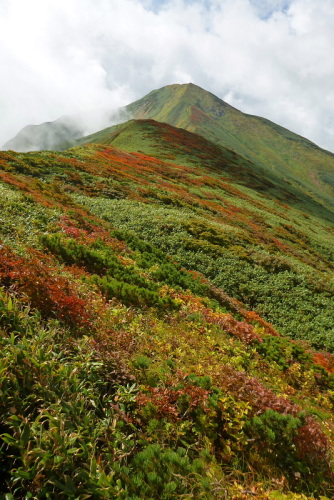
(166, 318)
(150, 137)
(289, 156)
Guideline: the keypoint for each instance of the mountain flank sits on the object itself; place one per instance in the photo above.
(59, 134)
(290, 157)
(166, 311)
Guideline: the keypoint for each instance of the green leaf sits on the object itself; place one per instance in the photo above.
(68, 487)
(7, 438)
(25, 434)
(9, 304)
(22, 474)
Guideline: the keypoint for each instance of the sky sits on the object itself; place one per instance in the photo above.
(271, 58)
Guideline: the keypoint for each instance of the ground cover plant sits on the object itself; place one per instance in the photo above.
(166, 327)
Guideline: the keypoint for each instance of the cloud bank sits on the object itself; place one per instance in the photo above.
(266, 57)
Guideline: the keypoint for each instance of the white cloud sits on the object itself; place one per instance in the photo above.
(267, 57)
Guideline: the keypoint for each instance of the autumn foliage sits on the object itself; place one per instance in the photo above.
(165, 326)
(38, 282)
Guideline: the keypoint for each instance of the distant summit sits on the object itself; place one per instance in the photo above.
(62, 133)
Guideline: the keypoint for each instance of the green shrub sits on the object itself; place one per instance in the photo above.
(172, 275)
(95, 258)
(132, 294)
(282, 351)
(166, 474)
(275, 434)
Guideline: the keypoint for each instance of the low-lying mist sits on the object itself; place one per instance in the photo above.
(60, 134)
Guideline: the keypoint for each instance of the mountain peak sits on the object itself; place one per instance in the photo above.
(185, 86)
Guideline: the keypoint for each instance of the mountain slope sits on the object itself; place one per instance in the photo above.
(289, 156)
(138, 358)
(55, 135)
(178, 145)
(292, 157)
(211, 211)
(63, 132)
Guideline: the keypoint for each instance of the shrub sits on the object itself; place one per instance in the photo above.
(52, 294)
(132, 294)
(282, 351)
(166, 474)
(95, 258)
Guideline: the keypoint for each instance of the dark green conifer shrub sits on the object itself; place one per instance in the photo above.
(166, 474)
(282, 351)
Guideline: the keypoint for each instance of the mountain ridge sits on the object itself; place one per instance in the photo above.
(292, 158)
(151, 137)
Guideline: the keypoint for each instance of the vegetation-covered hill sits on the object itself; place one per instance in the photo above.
(289, 156)
(166, 324)
(297, 161)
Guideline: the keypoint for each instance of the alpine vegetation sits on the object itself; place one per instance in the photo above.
(166, 309)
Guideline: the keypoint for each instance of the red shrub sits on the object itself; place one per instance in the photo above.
(51, 294)
(324, 359)
(166, 400)
(312, 443)
(240, 329)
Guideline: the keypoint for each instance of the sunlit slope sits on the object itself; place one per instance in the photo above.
(137, 355)
(178, 145)
(212, 211)
(292, 157)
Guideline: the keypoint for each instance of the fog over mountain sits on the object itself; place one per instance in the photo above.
(60, 133)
